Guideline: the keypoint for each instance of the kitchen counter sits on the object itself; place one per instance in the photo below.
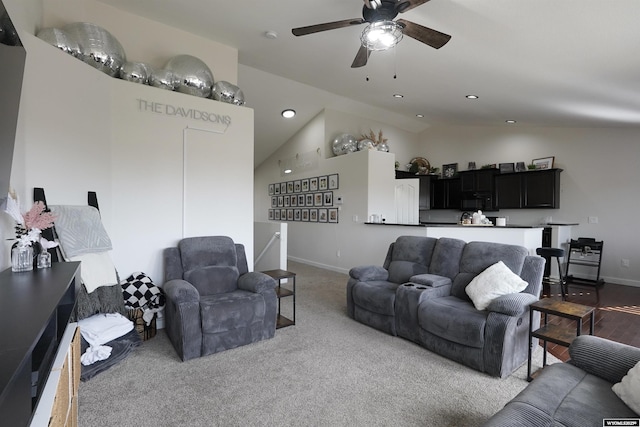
(452, 224)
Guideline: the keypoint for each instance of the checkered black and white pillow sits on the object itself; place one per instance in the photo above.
(139, 291)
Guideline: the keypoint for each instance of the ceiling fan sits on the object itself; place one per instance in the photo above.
(380, 14)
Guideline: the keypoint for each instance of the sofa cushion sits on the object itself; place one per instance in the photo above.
(376, 296)
(493, 282)
(213, 280)
(401, 271)
(197, 252)
(431, 280)
(629, 388)
(445, 260)
(453, 319)
(571, 397)
(232, 310)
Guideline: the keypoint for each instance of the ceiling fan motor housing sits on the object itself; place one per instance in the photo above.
(386, 12)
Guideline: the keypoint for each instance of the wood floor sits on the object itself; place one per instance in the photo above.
(617, 313)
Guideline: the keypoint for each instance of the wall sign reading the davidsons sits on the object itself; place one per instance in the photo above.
(186, 113)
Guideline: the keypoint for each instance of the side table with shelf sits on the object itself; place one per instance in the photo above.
(282, 292)
(560, 335)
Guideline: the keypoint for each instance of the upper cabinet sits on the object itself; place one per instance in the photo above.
(477, 189)
(532, 189)
(445, 193)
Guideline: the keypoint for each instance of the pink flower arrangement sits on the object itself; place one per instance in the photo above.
(29, 225)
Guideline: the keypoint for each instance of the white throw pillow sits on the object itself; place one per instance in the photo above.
(628, 390)
(493, 282)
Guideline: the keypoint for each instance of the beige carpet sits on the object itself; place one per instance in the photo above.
(327, 370)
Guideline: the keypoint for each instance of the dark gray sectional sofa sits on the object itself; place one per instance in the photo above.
(419, 294)
(577, 393)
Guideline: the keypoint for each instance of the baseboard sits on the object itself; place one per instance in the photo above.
(319, 265)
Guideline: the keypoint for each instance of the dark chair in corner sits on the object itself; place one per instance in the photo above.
(213, 302)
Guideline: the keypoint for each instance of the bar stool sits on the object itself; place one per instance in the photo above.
(557, 253)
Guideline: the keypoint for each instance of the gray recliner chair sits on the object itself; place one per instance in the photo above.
(213, 302)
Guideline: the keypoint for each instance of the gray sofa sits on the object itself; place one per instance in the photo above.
(419, 294)
(213, 303)
(574, 394)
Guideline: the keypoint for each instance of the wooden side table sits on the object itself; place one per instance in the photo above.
(282, 292)
(553, 333)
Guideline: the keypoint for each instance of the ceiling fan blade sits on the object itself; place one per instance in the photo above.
(428, 36)
(403, 6)
(302, 31)
(361, 57)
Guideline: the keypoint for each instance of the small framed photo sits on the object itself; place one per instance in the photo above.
(317, 199)
(287, 200)
(313, 184)
(294, 200)
(308, 199)
(334, 181)
(449, 170)
(271, 189)
(296, 215)
(274, 201)
(276, 189)
(544, 163)
(305, 215)
(313, 215)
(283, 214)
(305, 185)
(327, 198)
(276, 214)
(290, 187)
(289, 214)
(301, 200)
(271, 214)
(323, 215)
(323, 183)
(297, 186)
(280, 201)
(333, 215)
(283, 188)
(506, 167)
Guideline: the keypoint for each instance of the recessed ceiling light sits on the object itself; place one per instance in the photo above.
(288, 171)
(398, 95)
(510, 121)
(472, 96)
(288, 113)
(419, 116)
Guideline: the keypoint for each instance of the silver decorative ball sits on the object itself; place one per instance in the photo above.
(136, 72)
(61, 39)
(98, 47)
(344, 144)
(224, 91)
(163, 79)
(238, 99)
(193, 77)
(383, 147)
(366, 144)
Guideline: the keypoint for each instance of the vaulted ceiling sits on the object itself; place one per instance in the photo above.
(539, 62)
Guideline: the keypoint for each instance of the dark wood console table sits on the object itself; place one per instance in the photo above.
(35, 308)
(553, 333)
(282, 292)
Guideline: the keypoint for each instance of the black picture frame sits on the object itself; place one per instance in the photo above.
(334, 181)
(323, 183)
(449, 170)
(323, 215)
(271, 189)
(318, 199)
(305, 185)
(327, 198)
(333, 215)
(313, 184)
(313, 215)
(506, 167)
(297, 186)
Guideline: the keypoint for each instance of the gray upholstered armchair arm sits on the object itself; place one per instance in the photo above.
(256, 282)
(366, 273)
(604, 358)
(180, 291)
(512, 304)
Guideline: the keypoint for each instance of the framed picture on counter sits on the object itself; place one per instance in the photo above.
(506, 167)
(544, 163)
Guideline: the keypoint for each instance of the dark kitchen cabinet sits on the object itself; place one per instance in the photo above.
(477, 189)
(445, 193)
(528, 190)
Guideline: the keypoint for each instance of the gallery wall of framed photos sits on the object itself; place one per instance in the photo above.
(304, 200)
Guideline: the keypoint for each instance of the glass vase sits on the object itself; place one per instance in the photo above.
(21, 258)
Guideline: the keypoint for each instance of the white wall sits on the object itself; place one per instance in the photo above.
(80, 130)
(600, 180)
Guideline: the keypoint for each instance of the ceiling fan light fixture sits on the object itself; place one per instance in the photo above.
(381, 35)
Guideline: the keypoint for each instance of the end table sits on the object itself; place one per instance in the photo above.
(282, 292)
